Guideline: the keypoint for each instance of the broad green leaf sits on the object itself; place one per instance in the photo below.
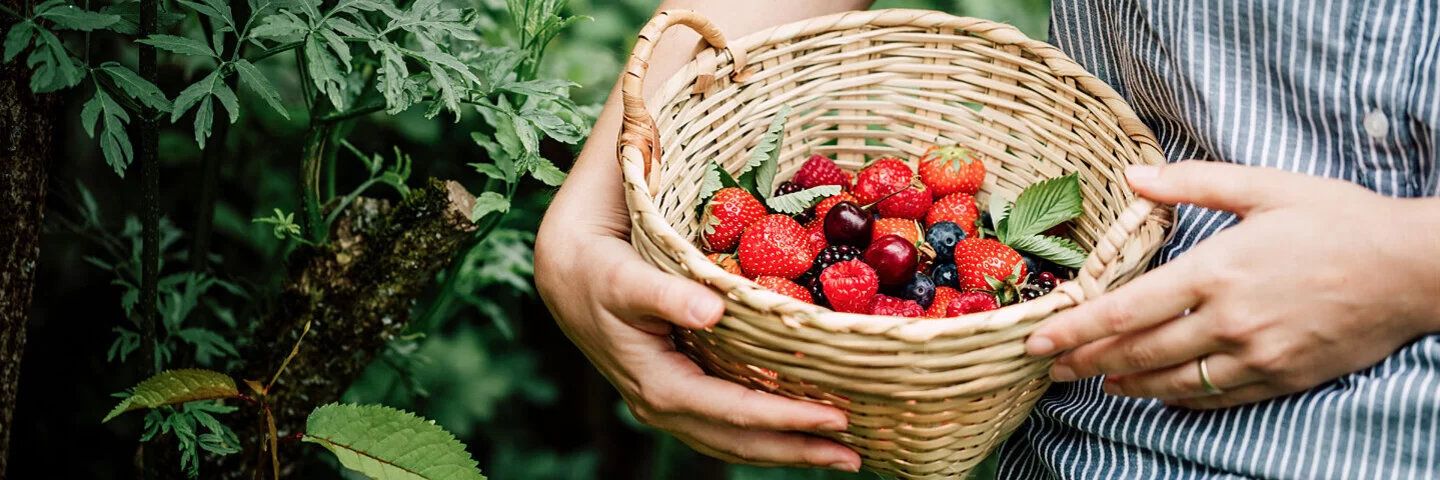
(17, 38)
(1056, 249)
(176, 386)
(487, 203)
(138, 88)
(180, 45)
(385, 443)
(251, 77)
(76, 18)
(1043, 205)
(758, 175)
(90, 113)
(794, 203)
(547, 173)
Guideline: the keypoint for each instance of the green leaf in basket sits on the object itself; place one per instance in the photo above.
(758, 176)
(1041, 206)
(794, 203)
(1060, 250)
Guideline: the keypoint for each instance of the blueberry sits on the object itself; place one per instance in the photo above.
(943, 236)
(921, 289)
(946, 275)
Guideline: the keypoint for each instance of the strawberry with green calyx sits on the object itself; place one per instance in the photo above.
(984, 261)
(1022, 224)
(775, 245)
(727, 261)
(952, 169)
(725, 217)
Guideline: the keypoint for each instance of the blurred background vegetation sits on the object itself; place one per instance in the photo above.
(489, 365)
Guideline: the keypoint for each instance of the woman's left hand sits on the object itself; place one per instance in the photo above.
(1321, 278)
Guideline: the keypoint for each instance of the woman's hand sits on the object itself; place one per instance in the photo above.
(1321, 278)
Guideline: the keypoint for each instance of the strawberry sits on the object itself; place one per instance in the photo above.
(952, 169)
(821, 170)
(912, 203)
(956, 207)
(726, 261)
(850, 286)
(775, 245)
(895, 307)
(815, 235)
(726, 216)
(943, 297)
(971, 302)
(824, 206)
(785, 287)
(908, 229)
(884, 177)
(978, 258)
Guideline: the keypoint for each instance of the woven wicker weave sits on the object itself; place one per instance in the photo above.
(927, 398)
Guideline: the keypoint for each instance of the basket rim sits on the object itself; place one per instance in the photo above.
(796, 313)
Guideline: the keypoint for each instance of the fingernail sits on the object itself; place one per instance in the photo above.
(835, 425)
(704, 310)
(1141, 173)
(1039, 345)
(1061, 373)
(844, 467)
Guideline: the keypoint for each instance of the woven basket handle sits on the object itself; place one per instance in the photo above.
(1101, 270)
(640, 131)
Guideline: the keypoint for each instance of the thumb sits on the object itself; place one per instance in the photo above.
(646, 291)
(1215, 185)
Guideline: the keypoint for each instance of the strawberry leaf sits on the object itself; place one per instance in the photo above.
(794, 203)
(1041, 206)
(1056, 249)
(999, 210)
(758, 176)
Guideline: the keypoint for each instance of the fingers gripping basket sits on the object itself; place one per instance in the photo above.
(927, 398)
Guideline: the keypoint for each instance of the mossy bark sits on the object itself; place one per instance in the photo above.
(356, 292)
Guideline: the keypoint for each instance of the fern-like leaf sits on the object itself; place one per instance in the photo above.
(174, 387)
(385, 443)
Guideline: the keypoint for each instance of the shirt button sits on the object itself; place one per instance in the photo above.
(1377, 125)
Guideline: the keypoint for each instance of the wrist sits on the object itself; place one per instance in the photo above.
(1418, 259)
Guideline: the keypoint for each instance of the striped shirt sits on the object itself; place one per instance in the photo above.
(1347, 89)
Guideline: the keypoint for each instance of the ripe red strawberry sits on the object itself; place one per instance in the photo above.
(815, 235)
(884, 177)
(824, 206)
(952, 169)
(850, 286)
(895, 307)
(943, 297)
(820, 170)
(785, 287)
(979, 257)
(956, 207)
(726, 261)
(905, 228)
(726, 216)
(912, 203)
(971, 302)
(775, 245)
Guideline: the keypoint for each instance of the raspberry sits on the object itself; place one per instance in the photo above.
(894, 307)
(820, 170)
(971, 302)
(850, 286)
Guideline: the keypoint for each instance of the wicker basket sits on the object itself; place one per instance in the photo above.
(926, 398)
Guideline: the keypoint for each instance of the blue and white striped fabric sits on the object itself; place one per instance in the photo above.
(1348, 89)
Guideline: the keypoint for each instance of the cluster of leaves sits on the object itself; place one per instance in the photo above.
(1041, 206)
(757, 176)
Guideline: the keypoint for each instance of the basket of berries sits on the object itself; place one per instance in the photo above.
(890, 201)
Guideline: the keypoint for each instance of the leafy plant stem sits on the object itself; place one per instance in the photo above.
(273, 51)
(313, 159)
(345, 202)
(212, 158)
(12, 12)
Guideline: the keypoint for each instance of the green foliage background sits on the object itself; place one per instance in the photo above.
(492, 367)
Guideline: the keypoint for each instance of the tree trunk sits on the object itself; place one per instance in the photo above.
(26, 122)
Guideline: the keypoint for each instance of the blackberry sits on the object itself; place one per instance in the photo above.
(787, 188)
(832, 255)
(817, 292)
(805, 217)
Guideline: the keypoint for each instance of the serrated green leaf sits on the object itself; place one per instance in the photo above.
(542, 88)
(794, 203)
(114, 139)
(554, 126)
(1060, 250)
(76, 18)
(192, 94)
(180, 45)
(53, 67)
(1044, 205)
(487, 203)
(138, 88)
(222, 92)
(449, 95)
(999, 210)
(204, 119)
(337, 45)
(710, 183)
(758, 174)
(176, 386)
(283, 25)
(489, 170)
(17, 38)
(547, 173)
(359, 29)
(525, 131)
(498, 155)
(252, 79)
(90, 113)
(324, 71)
(385, 443)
